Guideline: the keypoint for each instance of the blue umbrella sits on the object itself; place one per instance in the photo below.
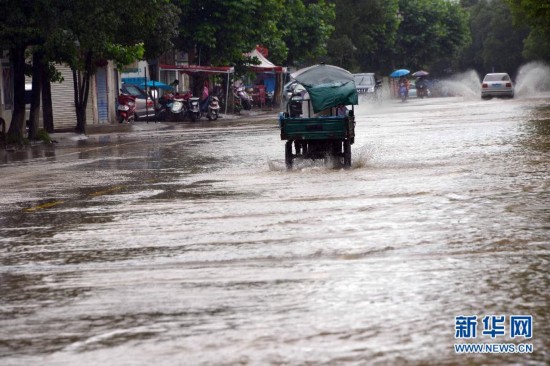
(399, 73)
(156, 84)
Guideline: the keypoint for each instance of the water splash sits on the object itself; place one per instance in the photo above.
(364, 155)
(532, 79)
(466, 84)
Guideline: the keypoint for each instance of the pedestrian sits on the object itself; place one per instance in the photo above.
(175, 84)
(204, 96)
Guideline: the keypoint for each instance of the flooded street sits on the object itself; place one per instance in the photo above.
(195, 245)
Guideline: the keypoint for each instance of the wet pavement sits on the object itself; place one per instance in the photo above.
(192, 244)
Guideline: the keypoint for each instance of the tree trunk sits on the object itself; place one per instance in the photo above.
(76, 86)
(47, 109)
(37, 61)
(81, 92)
(17, 125)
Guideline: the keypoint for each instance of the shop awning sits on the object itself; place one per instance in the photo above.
(191, 69)
(265, 65)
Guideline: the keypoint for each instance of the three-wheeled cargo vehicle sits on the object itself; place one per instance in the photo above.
(317, 123)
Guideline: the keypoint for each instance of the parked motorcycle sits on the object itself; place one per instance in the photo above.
(126, 108)
(213, 108)
(173, 107)
(162, 109)
(242, 99)
(194, 109)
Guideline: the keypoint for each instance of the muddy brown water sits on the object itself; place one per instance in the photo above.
(195, 245)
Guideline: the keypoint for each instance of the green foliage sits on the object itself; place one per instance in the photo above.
(124, 55)
(19, 22)
(42, 135)
(365, 34)
(430, 30)
(306, 30)
(537, 45)
(536, 14)
(496, 44)
(218, 32)
(381, 35)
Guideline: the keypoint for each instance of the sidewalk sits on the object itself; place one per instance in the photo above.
(142, 125)
(100, 132)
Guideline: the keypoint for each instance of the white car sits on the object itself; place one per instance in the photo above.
(412, 91)
(497, 85)
(364, 83)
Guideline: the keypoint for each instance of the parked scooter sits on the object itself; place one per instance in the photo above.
(173, 107)
(126, 108)
(242, 99)
(194, 109)
(213, 108)
(162, 109)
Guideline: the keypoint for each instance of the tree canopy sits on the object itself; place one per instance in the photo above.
(536, 14)
(365, 33)
(219, 32)
(496, 44)
(380, 35)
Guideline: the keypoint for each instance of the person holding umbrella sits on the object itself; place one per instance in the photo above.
(421, 83)
(404, 82)
(401, 73)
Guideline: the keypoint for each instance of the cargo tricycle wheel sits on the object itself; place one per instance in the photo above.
(288, 154)
(347, 154)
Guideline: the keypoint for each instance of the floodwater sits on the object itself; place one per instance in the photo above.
(195, 246)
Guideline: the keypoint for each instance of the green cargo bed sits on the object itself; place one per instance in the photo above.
(317, 128)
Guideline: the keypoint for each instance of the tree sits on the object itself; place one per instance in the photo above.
(493, 36)
(18, 30)
(430, 31)
(87, 37)
(536, 14)
(219, 32)
(365, 33)
(306, 29)
(82, 34)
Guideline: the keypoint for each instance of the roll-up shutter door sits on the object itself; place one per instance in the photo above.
(64, 114)
(102, 101)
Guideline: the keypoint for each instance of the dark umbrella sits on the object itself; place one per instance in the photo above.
(421, 73)
(399, 73)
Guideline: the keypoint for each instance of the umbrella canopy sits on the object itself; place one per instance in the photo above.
(328, 86)
(420, 73)
(399, 73)
(156, 84)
